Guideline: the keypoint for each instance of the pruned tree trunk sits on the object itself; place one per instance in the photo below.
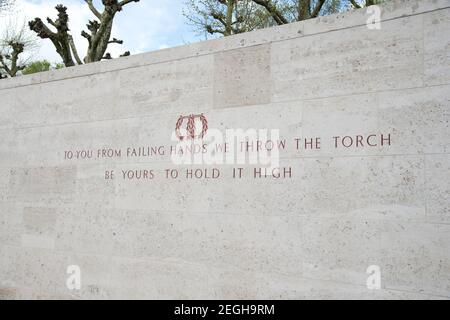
(98, 37)
(60, 38)
(10, 62)
(304, 10)
(15, 39)
(229, 18)
(100, 32)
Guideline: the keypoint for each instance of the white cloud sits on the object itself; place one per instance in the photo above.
(144, 26)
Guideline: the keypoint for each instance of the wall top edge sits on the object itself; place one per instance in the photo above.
(389, 11)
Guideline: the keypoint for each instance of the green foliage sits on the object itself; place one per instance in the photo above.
(41, 66)
(58, 66)
(36, 66)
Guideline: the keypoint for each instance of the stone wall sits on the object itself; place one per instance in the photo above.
(368, 184)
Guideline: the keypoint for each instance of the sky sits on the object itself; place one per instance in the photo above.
(144, 26)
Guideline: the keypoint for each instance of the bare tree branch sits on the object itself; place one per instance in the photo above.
(211, 30)
(114, 40)
(74, 50)
(4, 65)
(98, 34)
(125, 2)
(60, 39)
(317, 9)
(86, 35)
(219, 17)
(13, 66)
(51, 22)
(41, 29)
(93, 9)
(272, 9)
(355, 4)
(15, 39)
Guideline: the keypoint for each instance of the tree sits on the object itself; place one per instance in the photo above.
(37, 66)
(286, 11)
(9, 62)
(15, 40)
(98, 37)
(6, 4)
(226, 17)
(41, 66)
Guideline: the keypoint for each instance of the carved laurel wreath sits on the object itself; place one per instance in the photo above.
(191, 127)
